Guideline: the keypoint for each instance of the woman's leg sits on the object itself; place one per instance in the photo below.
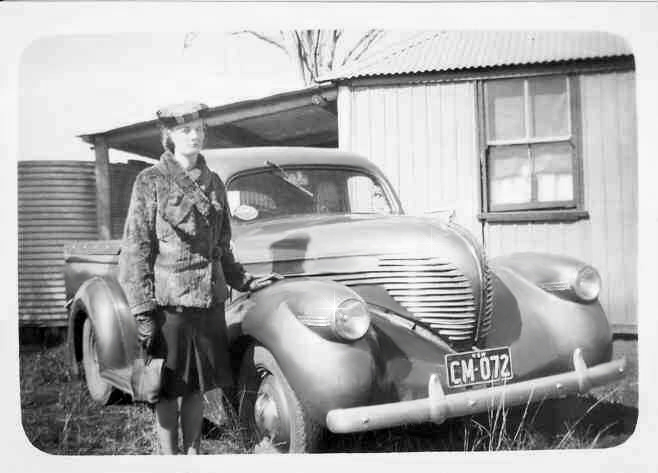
(166, 415)
(191, 420)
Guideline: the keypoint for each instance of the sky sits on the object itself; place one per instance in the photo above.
(75, 84)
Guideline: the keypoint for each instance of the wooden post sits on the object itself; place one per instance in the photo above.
(344, 118)
(103, 202)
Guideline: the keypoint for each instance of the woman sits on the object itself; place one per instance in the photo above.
(174, 265)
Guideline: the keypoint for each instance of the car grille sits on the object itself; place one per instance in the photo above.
(435, 292)
(486, 320)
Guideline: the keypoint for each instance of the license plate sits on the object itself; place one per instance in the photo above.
(477, 367)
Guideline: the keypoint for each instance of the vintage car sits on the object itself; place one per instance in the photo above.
(381, 320)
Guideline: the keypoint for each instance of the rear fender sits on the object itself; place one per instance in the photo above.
(102, 300)
(324, 374)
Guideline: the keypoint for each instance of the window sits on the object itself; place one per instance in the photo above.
(306, 191)
(530, 145)
(366, 196)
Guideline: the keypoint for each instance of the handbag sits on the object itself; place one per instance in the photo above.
(146, 379)
(147, 371)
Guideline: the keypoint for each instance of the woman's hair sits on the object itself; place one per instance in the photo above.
(168, 143)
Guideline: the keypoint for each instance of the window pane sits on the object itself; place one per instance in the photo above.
(509, 175)
(550, 108)
(505, 109)
(554, 172)
(366, 197)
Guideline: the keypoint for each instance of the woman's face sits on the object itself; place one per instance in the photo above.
(188, 138)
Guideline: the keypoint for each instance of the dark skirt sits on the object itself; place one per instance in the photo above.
(194, 344)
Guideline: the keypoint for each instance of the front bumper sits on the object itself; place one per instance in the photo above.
(438, 406)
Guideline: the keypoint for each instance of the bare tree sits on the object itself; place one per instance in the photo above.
(316, 52)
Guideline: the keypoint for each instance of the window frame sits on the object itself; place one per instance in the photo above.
(532, 211)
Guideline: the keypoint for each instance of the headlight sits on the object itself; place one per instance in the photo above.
(351, 319)
(587, 283)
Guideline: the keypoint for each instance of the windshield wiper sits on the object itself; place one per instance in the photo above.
(282, 174)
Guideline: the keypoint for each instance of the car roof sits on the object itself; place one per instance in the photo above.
(229, 161)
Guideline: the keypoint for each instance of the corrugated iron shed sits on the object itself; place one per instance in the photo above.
(441, 51)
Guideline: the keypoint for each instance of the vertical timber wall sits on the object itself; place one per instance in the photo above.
(424, 137)
(608, 239)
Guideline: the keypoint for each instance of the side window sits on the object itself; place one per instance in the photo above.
(530, 144)
(365, 196)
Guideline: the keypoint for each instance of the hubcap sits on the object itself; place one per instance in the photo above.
(267, 415)
(94, 353)
(92, 356)
(270, 413)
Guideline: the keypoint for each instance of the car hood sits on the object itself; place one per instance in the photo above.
(305, 242)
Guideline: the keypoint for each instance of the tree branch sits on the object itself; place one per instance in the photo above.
(302, 58)
(362, 46)
(376, 35)
(263, 37)
(316, 53)
(335, 36)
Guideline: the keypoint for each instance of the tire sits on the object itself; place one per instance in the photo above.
(263, 387)
(99, 389)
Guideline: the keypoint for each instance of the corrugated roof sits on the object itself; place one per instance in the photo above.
(453, 50)
(295, 118)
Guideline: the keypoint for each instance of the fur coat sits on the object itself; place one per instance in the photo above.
(176, 243)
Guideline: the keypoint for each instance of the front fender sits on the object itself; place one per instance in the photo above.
(102, 300)
(543, 329)
(324, 374)
(540, 268)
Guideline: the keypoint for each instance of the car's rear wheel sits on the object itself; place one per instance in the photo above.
(270, 408)
(99, 389)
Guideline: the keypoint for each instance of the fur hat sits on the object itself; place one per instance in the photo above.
(179, 114)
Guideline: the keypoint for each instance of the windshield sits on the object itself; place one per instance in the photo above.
(280, 192)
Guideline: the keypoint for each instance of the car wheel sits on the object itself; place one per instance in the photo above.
(99, 389)
(270, 409)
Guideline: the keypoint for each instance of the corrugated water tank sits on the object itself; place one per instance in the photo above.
(57, 205)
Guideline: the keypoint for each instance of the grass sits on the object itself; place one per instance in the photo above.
(60, 418)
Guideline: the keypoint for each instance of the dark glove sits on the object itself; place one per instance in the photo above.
(259, 282)
(145, 332)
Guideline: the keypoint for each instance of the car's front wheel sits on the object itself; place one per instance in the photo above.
(269, 407)
(99, 389)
